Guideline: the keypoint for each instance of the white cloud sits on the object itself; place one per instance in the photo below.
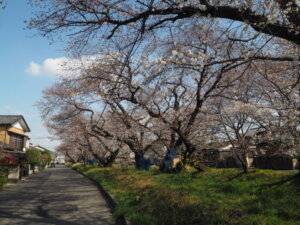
(60, 66)
(50, 67)
(53, 66)
(33, 69)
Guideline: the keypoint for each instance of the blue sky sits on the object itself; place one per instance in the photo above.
(28, 65)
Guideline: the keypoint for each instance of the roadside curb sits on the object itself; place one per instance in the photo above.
(120, 220)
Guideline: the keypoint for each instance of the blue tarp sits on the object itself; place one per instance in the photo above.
(168, 163)
(141, 162)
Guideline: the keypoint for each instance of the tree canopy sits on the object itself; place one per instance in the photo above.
(278, 18)
(172, 74)
(33, 155)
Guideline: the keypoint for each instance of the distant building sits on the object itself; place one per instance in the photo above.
(60, 158)
(43, 149)
(40, 148)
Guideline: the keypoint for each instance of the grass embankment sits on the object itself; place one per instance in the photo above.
(263, 197)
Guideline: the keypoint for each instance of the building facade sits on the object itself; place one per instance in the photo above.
(13, 144)
(13, 131)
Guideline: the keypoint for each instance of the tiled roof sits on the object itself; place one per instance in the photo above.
(9, 120)
(9, 159)
(42, 148)
(4, 146)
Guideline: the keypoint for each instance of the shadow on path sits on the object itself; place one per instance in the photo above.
(56, 196)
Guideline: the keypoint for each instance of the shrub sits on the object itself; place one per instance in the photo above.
(45, 158)
(33, 156)
(3, 175)
(68, 164)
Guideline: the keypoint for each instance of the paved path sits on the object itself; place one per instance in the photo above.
(55, 196)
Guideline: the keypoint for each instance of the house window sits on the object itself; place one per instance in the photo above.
(17, 141)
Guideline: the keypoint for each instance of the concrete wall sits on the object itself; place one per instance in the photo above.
(30, 170)
(275, 162)
(36, 168)
(14, 172)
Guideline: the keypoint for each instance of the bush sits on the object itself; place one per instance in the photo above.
(3, 175)
(33, 156)
(45, 158)
(68, 164)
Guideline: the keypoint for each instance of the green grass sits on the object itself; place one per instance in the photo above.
(219, 197)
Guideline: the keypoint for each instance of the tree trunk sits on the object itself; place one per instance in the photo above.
(244, 163)
(111, 159)
(70, 158)
(196, 163)
(97, 157)
(245, 168)
(199, 166)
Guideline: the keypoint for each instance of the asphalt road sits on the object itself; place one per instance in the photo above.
(56, 196)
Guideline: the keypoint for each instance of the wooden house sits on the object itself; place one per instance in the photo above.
(13, 143)
(13, 131)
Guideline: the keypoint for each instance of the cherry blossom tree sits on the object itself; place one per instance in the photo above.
(275, 18)
(237, 120)
(280, 93)
(172, 87)
(3, 4)
(71, 152)
(74, 104)
(150, 77)
(67, 121)
(256, 30)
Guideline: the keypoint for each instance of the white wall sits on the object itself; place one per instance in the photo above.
(60, 158)
(18, 125)
(14, 172)
(27, 144)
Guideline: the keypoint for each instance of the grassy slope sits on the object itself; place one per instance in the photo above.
(216, 197)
